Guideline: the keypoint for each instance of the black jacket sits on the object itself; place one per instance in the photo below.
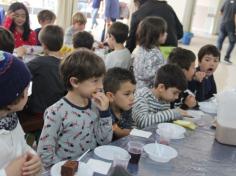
(47, 88)
(161, 9)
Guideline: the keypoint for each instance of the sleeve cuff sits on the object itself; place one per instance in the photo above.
(104, 114)
(177, 115)
(3, 172)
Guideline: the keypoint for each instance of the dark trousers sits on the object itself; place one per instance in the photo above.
(227, 30)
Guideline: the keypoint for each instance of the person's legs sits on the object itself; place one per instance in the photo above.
(94, 16)
(232, 40)
(221, 38)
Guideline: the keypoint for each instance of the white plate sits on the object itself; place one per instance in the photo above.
(177, 132)
(159, 152)
(109, 151)
(83, 169)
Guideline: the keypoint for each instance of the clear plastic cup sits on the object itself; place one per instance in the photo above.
(121, 161)
(164, 135)
(135, 149)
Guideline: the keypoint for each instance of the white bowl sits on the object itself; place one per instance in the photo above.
(159, 152)
(175, 131)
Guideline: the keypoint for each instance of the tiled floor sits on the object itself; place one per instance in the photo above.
(225, 74)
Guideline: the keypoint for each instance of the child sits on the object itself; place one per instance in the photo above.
(185, 59)
(119, 86)
(208, 61)
(120, 57)
(16, 157)
(45, 17)
(78, 25)
(153, 105)
(17, 21)
(151, 33)
(6, 40)
(73, 124)
(47, 86)
(83, 39)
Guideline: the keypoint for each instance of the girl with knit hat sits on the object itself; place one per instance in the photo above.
(16, 157)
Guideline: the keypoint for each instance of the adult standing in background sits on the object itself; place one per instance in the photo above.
(227, 27)
(112, 12)
(156, 8)
(95, 9)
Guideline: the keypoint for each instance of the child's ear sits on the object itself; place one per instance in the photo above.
(161, 87)
(74, 82)
(110, 96)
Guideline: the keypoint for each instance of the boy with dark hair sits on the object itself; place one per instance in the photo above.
(83, 39)
(45, 17)
(16, 157)
(6, 40)
(81, 120)
(208, 61)
(47, 86)
(153, 105)
(119, 87)
(120, 57)
(185, 59)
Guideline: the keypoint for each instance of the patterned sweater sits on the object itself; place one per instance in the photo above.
(145, 65)
(148, 110)
(70, 130)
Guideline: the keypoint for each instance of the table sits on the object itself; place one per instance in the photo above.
(199, 154)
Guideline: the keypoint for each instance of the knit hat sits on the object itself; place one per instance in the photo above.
(14, 78)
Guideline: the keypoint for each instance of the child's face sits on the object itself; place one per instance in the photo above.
(209, 64)
(124, 97)
(78, 27)
(91, 86)
(20, 17)
(46, 22)
(162, 38)
(190, 72)
(110, 41)
(169, 95)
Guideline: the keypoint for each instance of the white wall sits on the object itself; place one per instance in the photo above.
(184, 10)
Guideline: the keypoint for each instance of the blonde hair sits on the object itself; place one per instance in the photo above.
(79, 17)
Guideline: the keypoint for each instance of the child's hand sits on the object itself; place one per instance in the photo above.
(21, 51)
(11, 14)
(14, 168)
(32, 165)
(199, 76)
(101, 101)
(190, 101)
(182, 112)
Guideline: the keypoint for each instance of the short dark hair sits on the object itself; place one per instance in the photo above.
(207, 50)
(83, 39)
(182, 57)
(119, 31)
(44, 15)
(52, 37)
(115, 77)
(6, 40)
(149, 31)
(82, 64)
(171, 76)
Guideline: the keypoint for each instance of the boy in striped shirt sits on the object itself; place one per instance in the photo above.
(152, 106)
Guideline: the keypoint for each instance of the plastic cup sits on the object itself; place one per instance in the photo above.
(164, 136)
(121, 161)
(135, 149)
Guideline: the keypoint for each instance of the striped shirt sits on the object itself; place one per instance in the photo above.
(148, 110)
